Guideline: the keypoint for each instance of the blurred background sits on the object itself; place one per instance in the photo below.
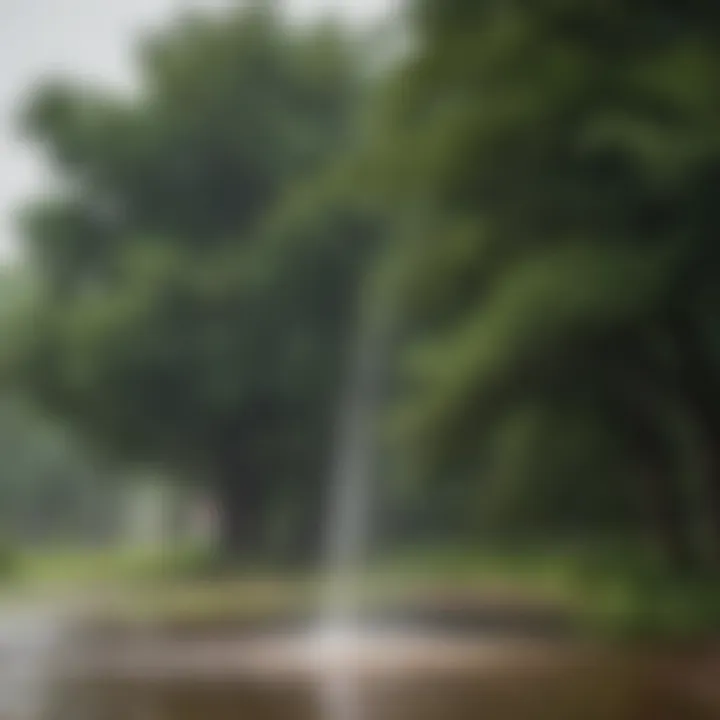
(211, 212)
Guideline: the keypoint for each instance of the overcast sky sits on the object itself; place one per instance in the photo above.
(91, 39)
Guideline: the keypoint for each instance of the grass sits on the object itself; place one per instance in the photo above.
(612, 595)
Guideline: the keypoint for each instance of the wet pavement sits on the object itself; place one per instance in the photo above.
(31, 637)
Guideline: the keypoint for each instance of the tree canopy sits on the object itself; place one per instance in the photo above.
(534, 185)
(197, 272)
(564, 155)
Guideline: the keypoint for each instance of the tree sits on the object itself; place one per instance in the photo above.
(198, 273)
(51, 487)
(564, 156)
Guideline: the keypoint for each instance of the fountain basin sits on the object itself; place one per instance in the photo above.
(394, 676)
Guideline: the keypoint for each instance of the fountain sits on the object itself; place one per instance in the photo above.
(348, 522)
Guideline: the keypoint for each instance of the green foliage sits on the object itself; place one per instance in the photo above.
(562, 165)
(9, 561)
(546, 175)
(52, 489)
(198, 279)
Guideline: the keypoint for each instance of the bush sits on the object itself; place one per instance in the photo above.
(9, 560)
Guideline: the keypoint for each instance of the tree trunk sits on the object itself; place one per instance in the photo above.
(664, 503)
(241, 517)
(708, 448)
(700, 387)
(713, 495)
(666, 517)
(300, 544)
(307, 551)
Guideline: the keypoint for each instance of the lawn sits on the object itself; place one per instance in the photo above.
(611, 597)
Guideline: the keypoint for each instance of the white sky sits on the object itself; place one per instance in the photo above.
(89, 39)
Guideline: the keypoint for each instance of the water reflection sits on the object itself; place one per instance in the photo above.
(383, 676)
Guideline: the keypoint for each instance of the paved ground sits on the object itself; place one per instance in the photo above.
(30, 639)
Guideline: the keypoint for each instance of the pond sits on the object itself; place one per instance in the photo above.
(418, 672)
